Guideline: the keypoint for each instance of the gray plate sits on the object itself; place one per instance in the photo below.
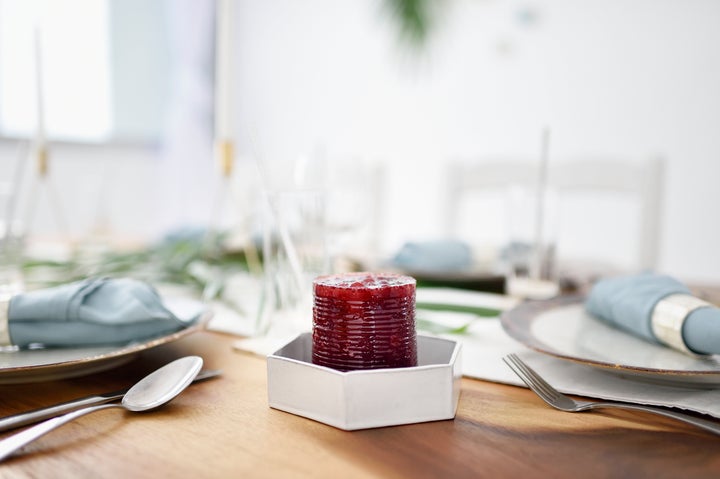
(561, 327)
(51, 364)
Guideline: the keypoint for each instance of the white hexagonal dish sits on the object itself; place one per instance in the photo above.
(367, 398)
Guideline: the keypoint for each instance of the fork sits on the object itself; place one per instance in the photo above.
(562, 402)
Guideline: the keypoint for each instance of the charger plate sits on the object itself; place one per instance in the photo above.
(37, 365)
(562, 328)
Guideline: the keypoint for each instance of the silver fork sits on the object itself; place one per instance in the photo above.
(562, 402)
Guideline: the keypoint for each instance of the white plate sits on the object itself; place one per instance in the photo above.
(59, 363)
(562, 328)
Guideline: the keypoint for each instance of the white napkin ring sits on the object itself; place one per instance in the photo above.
(668, 318)
(4, 328)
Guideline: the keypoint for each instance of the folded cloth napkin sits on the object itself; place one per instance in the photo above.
(632, 303)
(99, 311)
(434, 256)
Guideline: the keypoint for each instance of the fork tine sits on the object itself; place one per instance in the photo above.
(549, 390)
(508, 360)
(527, 380)
(546, 392)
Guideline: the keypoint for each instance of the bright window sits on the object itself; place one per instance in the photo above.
(74, 56)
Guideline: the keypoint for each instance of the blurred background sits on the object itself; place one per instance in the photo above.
(376, 97)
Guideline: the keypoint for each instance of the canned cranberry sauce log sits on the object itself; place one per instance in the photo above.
(364, 321)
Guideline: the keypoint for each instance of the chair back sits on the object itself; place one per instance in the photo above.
(585, 193)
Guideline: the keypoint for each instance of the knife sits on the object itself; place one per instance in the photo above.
(36, 415)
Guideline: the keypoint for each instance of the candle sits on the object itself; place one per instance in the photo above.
(364, 321)
(223, 57)
(40, 99)
(40, 131)
(540, 246)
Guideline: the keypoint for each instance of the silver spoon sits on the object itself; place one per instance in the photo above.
(154, 390)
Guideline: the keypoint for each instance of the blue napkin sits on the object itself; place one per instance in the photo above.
(627, 302)
(434, 256)
(99, 311)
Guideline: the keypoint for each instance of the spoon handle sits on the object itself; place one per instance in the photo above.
(12, 443)
(37, 415)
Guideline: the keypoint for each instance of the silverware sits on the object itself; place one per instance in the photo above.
(154, 390)
(564, 403)
(36, 415)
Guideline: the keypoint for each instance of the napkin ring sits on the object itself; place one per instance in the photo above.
(4, 328)
(668, 318)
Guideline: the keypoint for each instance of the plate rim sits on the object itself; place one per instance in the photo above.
(114, 356)
(516, 323)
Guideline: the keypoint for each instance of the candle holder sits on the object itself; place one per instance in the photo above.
(43, 187)
(225, 152)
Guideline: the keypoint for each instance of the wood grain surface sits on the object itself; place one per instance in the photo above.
(224, 428)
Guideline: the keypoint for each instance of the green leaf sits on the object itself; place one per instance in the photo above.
(413, 18)
(457, 308)
(437, 328)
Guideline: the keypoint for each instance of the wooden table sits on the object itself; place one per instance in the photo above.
(224, 428)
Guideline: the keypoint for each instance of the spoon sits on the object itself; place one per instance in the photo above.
(154, 390)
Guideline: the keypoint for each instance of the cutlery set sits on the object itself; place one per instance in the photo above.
(154, 390)
(30, 417)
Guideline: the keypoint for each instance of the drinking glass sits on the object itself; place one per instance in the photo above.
(11, 244)
(295, 251)
(530, 248)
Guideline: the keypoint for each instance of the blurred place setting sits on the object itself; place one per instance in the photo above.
(480, 191)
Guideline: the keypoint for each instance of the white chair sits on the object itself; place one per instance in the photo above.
(596, 185)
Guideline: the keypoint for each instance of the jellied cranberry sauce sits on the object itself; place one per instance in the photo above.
(364, 321)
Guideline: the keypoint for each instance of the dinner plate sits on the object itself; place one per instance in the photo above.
(36, 365)
(561, 327)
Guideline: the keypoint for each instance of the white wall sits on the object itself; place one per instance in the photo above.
(617, 78)
(611, 77)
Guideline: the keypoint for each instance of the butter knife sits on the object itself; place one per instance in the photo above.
(36, 415)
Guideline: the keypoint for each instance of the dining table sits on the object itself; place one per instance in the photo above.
(224, 427)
